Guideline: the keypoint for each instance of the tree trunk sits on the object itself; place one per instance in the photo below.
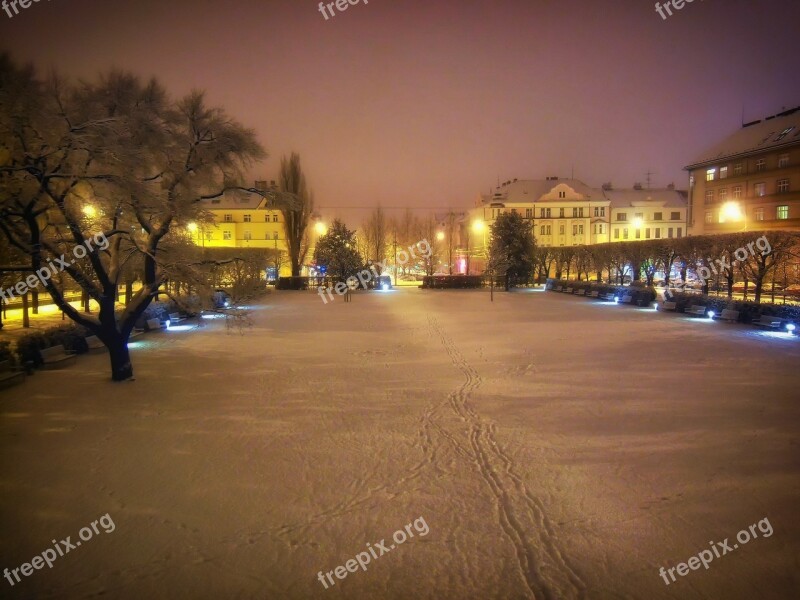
(121, 368)
(35, 302)
(26, 319)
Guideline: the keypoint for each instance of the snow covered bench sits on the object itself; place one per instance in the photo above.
(696, 310)
(9, 375)
(731, 316)
(768, 321)
(155, 325)
(626, 299)
(593, 294)
(607, 296)
(667, 305)
(56, 357)
(580, 292)
(558, 288)
(175, 318)
(94, 344)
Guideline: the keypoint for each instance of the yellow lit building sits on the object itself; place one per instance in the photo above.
(750, 180)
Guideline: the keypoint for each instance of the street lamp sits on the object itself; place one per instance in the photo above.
(732, 212)
(321, 228)
(90, 211)
(440, 235)
(637, 223)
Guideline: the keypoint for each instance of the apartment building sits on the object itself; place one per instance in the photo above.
(750, 180)
(644, 214)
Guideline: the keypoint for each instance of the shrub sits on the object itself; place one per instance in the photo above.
(6, 354)
(452, 281)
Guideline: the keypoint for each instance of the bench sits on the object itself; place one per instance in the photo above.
(667, 305)
(607, 296)
(94, 344)
(593, 294)
(728, 315)
(580, 293)
(8, 375)
(155, 325)
(175, 318)
(568, 290)
(626, 299)
(558, 288)
(56, 357)
(768, 321)
(696, 310)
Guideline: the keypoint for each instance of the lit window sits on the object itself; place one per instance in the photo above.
(723, 172)
(709, 217)
(783, 212)
(228, 218)
(737, 191)
(226, 235)
(761, 189)
(248, 218)
(711, 174)
(761, 164)
(783, 161)
(783, 186)
(759, 214)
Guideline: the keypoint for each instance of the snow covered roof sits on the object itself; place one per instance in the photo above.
(525, 191)
(662, 197)
(235, 200)
(774, 132)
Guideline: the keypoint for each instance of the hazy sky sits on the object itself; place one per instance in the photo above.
(424, 103)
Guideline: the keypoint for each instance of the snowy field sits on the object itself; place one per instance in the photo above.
(554, 447)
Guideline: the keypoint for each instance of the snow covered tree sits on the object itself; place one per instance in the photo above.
(97, 176)
(337, 252)
(512, 247)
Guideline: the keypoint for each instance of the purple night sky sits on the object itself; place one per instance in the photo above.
(425, 103)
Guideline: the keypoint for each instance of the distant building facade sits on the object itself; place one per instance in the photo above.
(750, 180)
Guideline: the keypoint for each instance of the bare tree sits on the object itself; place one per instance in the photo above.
(296, 217)
(114, 160)
(377, 231)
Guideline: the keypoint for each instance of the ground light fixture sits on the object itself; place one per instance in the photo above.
(616, 299)
(385, 287)
(790, 327)
(711, 314)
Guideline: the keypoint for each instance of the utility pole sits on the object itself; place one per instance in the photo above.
(394, 243)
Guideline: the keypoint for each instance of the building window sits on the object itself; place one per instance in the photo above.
(596, 211)
(669, 232)
(541, 213)
(675, 216)
(602, 211)
(737, 191)
(638, 216)
(248, 235)
(598, 229)
(560, 213)
(680, 232)
(528, 213)
(574, 230)
(783, 161)
(562, 194)
(737, 169)
(562, 229)
(723, 172)
(709, 196)
(759, 214)
(625, 234)
(574, 212)
(547, 213)
(226, 235)
(783, 186)
(266, 217)
(275, 218)
(274, 235)
(267, 236)
(647, 233)
(723, 194)
(709, 217)
(513, 211)
(658, 233)
(761, 189)
(248, 218)
(638, 234)
(761, 164)
(622, 216)
(658, 216)
(228, 218)
(783, 212)
(711, 174)
(616, 233)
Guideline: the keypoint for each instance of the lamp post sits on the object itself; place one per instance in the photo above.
(732, 211)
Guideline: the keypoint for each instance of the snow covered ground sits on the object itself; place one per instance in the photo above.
(554, 446)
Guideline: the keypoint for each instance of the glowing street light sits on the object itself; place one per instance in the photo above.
(90, 211)
(192, 227)
(638, 222)
(478, 226)
(440, 235)
(731, 211)
(321, 228)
